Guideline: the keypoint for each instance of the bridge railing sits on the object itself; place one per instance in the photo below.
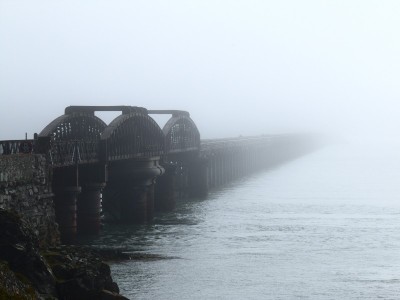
(16, 147)
(226, 143)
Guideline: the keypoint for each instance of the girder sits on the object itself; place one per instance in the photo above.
(79, 136)
(181, 134)
(73, 138)
(133, 135)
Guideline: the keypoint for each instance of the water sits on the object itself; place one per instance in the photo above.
(326, 226)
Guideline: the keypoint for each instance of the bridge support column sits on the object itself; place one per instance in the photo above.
(150, 202)
(165, 196)
(218, 171)
(89, 208)
(211, 167)
(134, 182)
(221, 170)
(211, 171)
(134, 206)
(65, 207)
(198, 186)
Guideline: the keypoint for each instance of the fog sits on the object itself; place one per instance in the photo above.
(239, 67)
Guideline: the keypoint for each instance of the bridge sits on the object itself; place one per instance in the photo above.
(131, 167)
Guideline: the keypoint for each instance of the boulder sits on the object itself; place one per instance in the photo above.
(19, 248)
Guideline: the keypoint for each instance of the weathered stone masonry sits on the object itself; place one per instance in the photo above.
(25, 189)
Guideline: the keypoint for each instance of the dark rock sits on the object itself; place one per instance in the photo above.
(12, 287)
(18, 246)
(64, 272)
(80, 273)
(107, 295)
(74, 289)
(28, 269)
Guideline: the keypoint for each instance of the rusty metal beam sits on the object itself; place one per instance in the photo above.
(169, 112)
(91, 109)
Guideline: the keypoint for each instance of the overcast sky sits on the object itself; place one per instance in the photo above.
(239, 67)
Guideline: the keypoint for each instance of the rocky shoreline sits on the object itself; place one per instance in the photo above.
(28, 271)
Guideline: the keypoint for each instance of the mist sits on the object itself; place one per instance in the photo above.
(238, 67)
(276, 216)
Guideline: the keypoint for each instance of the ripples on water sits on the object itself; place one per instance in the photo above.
(326, 226)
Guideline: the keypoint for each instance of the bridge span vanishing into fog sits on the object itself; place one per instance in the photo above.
(131, 167)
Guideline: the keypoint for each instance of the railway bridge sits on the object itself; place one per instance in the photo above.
(131, 167)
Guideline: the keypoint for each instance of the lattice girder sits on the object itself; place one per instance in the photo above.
(181, 134)
(133, 135)
(75, 126)
(74, 138)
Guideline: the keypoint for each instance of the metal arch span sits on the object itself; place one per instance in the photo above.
(74, 126)
(181, 133)
(133, 135)
(73, 138)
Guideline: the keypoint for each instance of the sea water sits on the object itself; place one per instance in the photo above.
(325, 226)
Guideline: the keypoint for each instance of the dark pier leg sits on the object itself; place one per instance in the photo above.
(134, 207)
(165, 196)
(150, 202)
(215, 170)
(89, 208)
(65, 206)
(133, 183)
(198, 186)
(212, 171)
(222, 169)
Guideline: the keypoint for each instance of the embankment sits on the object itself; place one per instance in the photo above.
(33, 264)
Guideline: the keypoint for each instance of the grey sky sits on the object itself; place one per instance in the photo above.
(239, 67)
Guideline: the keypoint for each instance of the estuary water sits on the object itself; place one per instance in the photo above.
(324, 226)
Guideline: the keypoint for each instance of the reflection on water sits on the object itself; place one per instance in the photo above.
(326, 226)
